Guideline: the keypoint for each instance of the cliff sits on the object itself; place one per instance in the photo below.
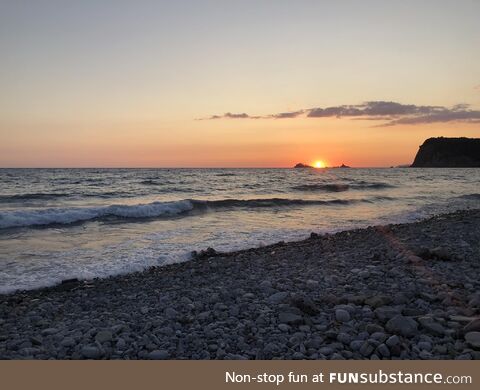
(448, 153)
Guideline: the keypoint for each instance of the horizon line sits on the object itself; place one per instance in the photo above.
(201, 167)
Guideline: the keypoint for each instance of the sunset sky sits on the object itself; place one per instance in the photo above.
(234, 83)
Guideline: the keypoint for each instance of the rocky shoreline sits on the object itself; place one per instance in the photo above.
(408, 291)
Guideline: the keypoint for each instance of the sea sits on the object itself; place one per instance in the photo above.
(58, 224)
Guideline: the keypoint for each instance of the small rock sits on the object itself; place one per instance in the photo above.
(121, 344)
(366, 349)
(205, 254)
(355, 345)
(304, 303)
(344, 338)
(392, 341)
(170, 312)
(283, 327)
(386, 313)
(473, 339)
(158, 354)
(373, 328)
(379, 336)
(378, 300)
(473, 326)
(278, 297)
(342, 315)
(327, 351)
(404, 326)
(49, 331)
(103, 336)
(36, 340)
(440, 253)
(289, 318)
(425, 345)
(67, 342)
(91, 352)
(433, 327)
(298, 356)
(383, 350)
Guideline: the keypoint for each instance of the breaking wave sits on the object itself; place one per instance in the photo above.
(65, 216)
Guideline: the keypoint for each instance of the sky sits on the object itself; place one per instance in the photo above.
(234, 83)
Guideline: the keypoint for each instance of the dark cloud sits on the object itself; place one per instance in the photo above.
(231, 116)
(285, 115)
(390, 113)
(371, 110)
(436, 117)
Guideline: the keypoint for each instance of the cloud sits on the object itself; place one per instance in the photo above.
(372, 110)
(468, 116)
(285, 115)
(231, 116)
(388, 112)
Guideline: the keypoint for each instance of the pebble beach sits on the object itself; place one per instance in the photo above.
(406, 291)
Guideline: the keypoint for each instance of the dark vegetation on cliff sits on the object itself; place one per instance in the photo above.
(448, 153)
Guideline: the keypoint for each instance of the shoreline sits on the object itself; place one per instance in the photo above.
(399, 291)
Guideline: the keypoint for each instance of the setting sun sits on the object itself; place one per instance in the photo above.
(319, 164)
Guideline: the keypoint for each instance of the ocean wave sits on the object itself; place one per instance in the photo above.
(33, 196)
(333, 187)
(341, 187)
(470, 196)
(150, 182)
(362, 184)
(66, 216)
(372, 186)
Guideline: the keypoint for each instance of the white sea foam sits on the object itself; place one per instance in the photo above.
(20, 218)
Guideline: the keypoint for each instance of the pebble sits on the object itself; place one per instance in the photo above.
(342, 315)
(103, 336)
(289, 318)
(90, 352)
(403, 326)
(49, 331)
(431, 326)
(278, 297)
(383, 350)
(472, 326)
(67, 342)
(393, 341)
(158, 354)
(473, 339)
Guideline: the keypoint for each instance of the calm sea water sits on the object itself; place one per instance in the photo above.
(58, 224)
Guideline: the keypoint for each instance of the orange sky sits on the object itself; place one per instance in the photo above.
(224, 143)
(92, 84)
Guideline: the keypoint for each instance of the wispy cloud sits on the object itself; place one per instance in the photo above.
(286, 115)
(390, 113)
(229, 115)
